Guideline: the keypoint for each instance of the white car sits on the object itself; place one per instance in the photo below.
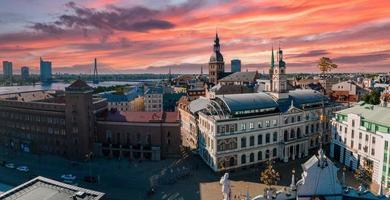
(10, 165)
(23, 169)
(68, 177)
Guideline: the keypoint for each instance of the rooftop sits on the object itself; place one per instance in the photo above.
(78, 85)
(372, 113)
(48, 189)
(154, 90)
(140, 117)
(248, 101)
(240, 77)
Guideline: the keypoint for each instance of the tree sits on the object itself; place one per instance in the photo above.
(372, 98)
(326, 65)
(363, 175)
(269, 176)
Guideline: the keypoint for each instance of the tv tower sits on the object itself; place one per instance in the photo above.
(95, 74)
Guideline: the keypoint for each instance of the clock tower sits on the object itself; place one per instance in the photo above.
(279, 79)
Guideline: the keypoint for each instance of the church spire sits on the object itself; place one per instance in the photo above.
(216, 43)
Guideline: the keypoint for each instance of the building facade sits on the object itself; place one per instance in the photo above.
(246, 129)
(61, 125)
(361, 134)
(45, 71)
(153, 99)
(7, 70)
(235, 65)
(25, 73)
(138, 135)
(347, 92)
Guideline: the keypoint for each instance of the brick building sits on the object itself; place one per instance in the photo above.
(138, 135)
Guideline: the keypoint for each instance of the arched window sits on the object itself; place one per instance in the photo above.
(292, 133)
(267, 154)
(252, 157)
(243, 159)
(274, 152)
(260, 155)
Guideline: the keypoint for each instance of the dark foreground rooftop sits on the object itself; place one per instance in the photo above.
(48, 189)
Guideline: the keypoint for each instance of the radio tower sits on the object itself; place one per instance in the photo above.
(95, 74)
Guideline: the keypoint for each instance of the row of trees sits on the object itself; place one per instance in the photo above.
(271, 177)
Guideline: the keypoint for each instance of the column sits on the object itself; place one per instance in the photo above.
(300, 150)
(293, 152)
(285, 154)
(306, 149)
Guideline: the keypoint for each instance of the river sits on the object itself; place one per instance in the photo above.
(61, 86)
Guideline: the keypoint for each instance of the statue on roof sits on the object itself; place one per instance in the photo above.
(226, 190)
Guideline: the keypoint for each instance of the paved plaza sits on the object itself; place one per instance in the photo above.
(186, 178)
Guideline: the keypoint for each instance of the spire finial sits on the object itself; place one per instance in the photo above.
(272, 57)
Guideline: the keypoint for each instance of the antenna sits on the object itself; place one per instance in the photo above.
(95, 73)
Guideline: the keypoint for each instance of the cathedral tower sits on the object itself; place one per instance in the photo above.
(279, 79)
(216, 64)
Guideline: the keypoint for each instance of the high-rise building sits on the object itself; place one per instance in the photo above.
(236, 65)
(7, 69)
(45, 69)
(216, 64)
(25, 72)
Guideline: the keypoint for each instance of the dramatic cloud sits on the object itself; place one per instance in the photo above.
(132, 36)
(139, 19)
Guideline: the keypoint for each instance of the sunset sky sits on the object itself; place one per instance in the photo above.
(138, 36)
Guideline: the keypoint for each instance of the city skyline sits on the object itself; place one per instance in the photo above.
(133, 36)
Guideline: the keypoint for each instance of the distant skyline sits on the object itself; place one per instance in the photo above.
(147, 35)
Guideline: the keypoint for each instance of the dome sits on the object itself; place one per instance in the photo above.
(216, 56)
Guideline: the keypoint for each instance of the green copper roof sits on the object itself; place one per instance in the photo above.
(376, 114)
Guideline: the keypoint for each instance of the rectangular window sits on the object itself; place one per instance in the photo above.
(260, 139)
(267, 123)
(351, 144)
(360, 146)
(260, 124)
(360, 135)
(353, 123)
(251, 125)
(352, 133)
(373, 140)
(275, 137)
(274, 122)
(373, 152)
(367, 137)
(243, 127)
(243, 142)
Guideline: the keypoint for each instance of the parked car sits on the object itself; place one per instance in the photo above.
(10, 165)
(23, 168)
(68, 177)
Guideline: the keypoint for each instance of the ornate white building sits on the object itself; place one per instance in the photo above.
(238, 130)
